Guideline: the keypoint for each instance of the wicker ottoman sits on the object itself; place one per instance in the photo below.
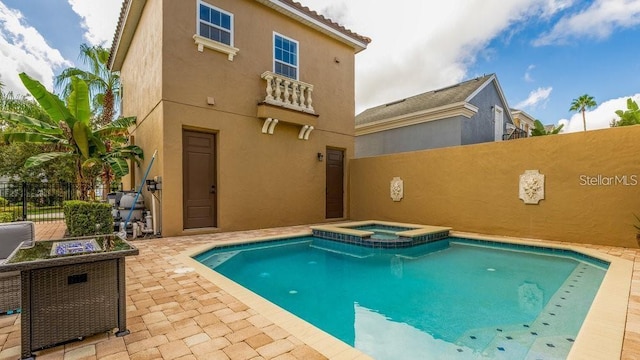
(9, 292)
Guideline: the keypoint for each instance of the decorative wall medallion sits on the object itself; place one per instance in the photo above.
(531, 187)
(397, 189)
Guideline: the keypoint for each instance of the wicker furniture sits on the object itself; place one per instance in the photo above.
(11, 236)
(70, 297)
(9, 292)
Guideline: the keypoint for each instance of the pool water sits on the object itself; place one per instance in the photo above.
(451, 299)
(382, 232)
(381, 228)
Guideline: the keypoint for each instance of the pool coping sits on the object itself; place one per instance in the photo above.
(418, 230)
(600, 337)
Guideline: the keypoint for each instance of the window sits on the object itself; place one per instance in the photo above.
(215, 24)
(285, 56)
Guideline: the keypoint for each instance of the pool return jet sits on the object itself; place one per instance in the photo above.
(122, 234)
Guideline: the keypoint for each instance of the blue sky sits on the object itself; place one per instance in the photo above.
(544, 52)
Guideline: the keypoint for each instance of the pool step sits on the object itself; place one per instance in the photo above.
(216, 260)
(342, 251)
(550, 335)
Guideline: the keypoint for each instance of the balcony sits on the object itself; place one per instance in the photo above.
(515, 133)
(287, 101)
(284, 91)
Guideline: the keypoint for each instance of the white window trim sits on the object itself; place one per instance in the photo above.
(204, 42)
(273, 49)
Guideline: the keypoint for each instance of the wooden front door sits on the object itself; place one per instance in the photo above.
(335, 184)
(199, 179)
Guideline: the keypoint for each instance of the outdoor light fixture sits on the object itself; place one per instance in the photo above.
(320, 156)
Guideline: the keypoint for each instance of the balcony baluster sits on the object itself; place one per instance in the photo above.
(289, 93)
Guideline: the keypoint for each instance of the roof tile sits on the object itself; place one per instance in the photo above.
(428, 100)
(294, 4)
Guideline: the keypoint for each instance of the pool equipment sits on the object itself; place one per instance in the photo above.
(123, 228)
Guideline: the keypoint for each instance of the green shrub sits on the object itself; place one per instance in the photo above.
(3, 201)
(87, 218)
(10, 214)
(6, 216)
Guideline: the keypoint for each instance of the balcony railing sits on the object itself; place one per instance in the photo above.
(515, 134)
(289, 93)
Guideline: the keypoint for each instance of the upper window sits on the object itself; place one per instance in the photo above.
(285, 56)
(215, 24)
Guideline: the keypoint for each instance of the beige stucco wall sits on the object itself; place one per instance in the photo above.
(141, 73)
(189, 76)
(475, 188)
(263, 180)
(141, 79)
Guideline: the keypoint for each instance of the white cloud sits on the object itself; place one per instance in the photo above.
(554, 6)
(99, 19)
(598, 118)
(527, 74)
(24, 49)
(597, 21)
(404, 59)
(540, 95)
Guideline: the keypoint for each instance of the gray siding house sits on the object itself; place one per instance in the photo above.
(470, 112)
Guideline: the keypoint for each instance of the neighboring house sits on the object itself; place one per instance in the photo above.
(250, 104)
(470, 112)
(523, 124)
(550, 128)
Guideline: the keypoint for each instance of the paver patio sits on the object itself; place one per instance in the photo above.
(174, 314)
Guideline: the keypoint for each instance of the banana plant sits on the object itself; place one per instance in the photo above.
(69, 129)
(631, 116)
(540, 130)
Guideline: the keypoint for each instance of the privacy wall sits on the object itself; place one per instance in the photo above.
(592, 187)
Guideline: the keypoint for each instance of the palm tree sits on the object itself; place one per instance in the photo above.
(104, 85)
(581, 104)
(69, 130)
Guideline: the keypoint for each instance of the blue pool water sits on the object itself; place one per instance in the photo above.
(451, 299)
(381, 228)
(382, 232)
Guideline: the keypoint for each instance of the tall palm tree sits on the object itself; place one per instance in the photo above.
(104, 85)
(69, 129)
(581, 104)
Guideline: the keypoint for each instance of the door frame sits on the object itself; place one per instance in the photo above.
(344, 183)
(216, 139)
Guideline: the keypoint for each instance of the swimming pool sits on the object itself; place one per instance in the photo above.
(413, 301)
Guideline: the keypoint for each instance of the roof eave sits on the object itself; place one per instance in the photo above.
(442, 112)
(358, 44)
(523, 113)
(493, 78)
(124, 36)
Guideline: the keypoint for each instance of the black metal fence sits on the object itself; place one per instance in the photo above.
(41, 202)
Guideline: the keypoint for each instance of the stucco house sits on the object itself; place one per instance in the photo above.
(470, 112)
(249, 104)
(523, 124)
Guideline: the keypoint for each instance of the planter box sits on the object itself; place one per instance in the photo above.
(67, 297)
